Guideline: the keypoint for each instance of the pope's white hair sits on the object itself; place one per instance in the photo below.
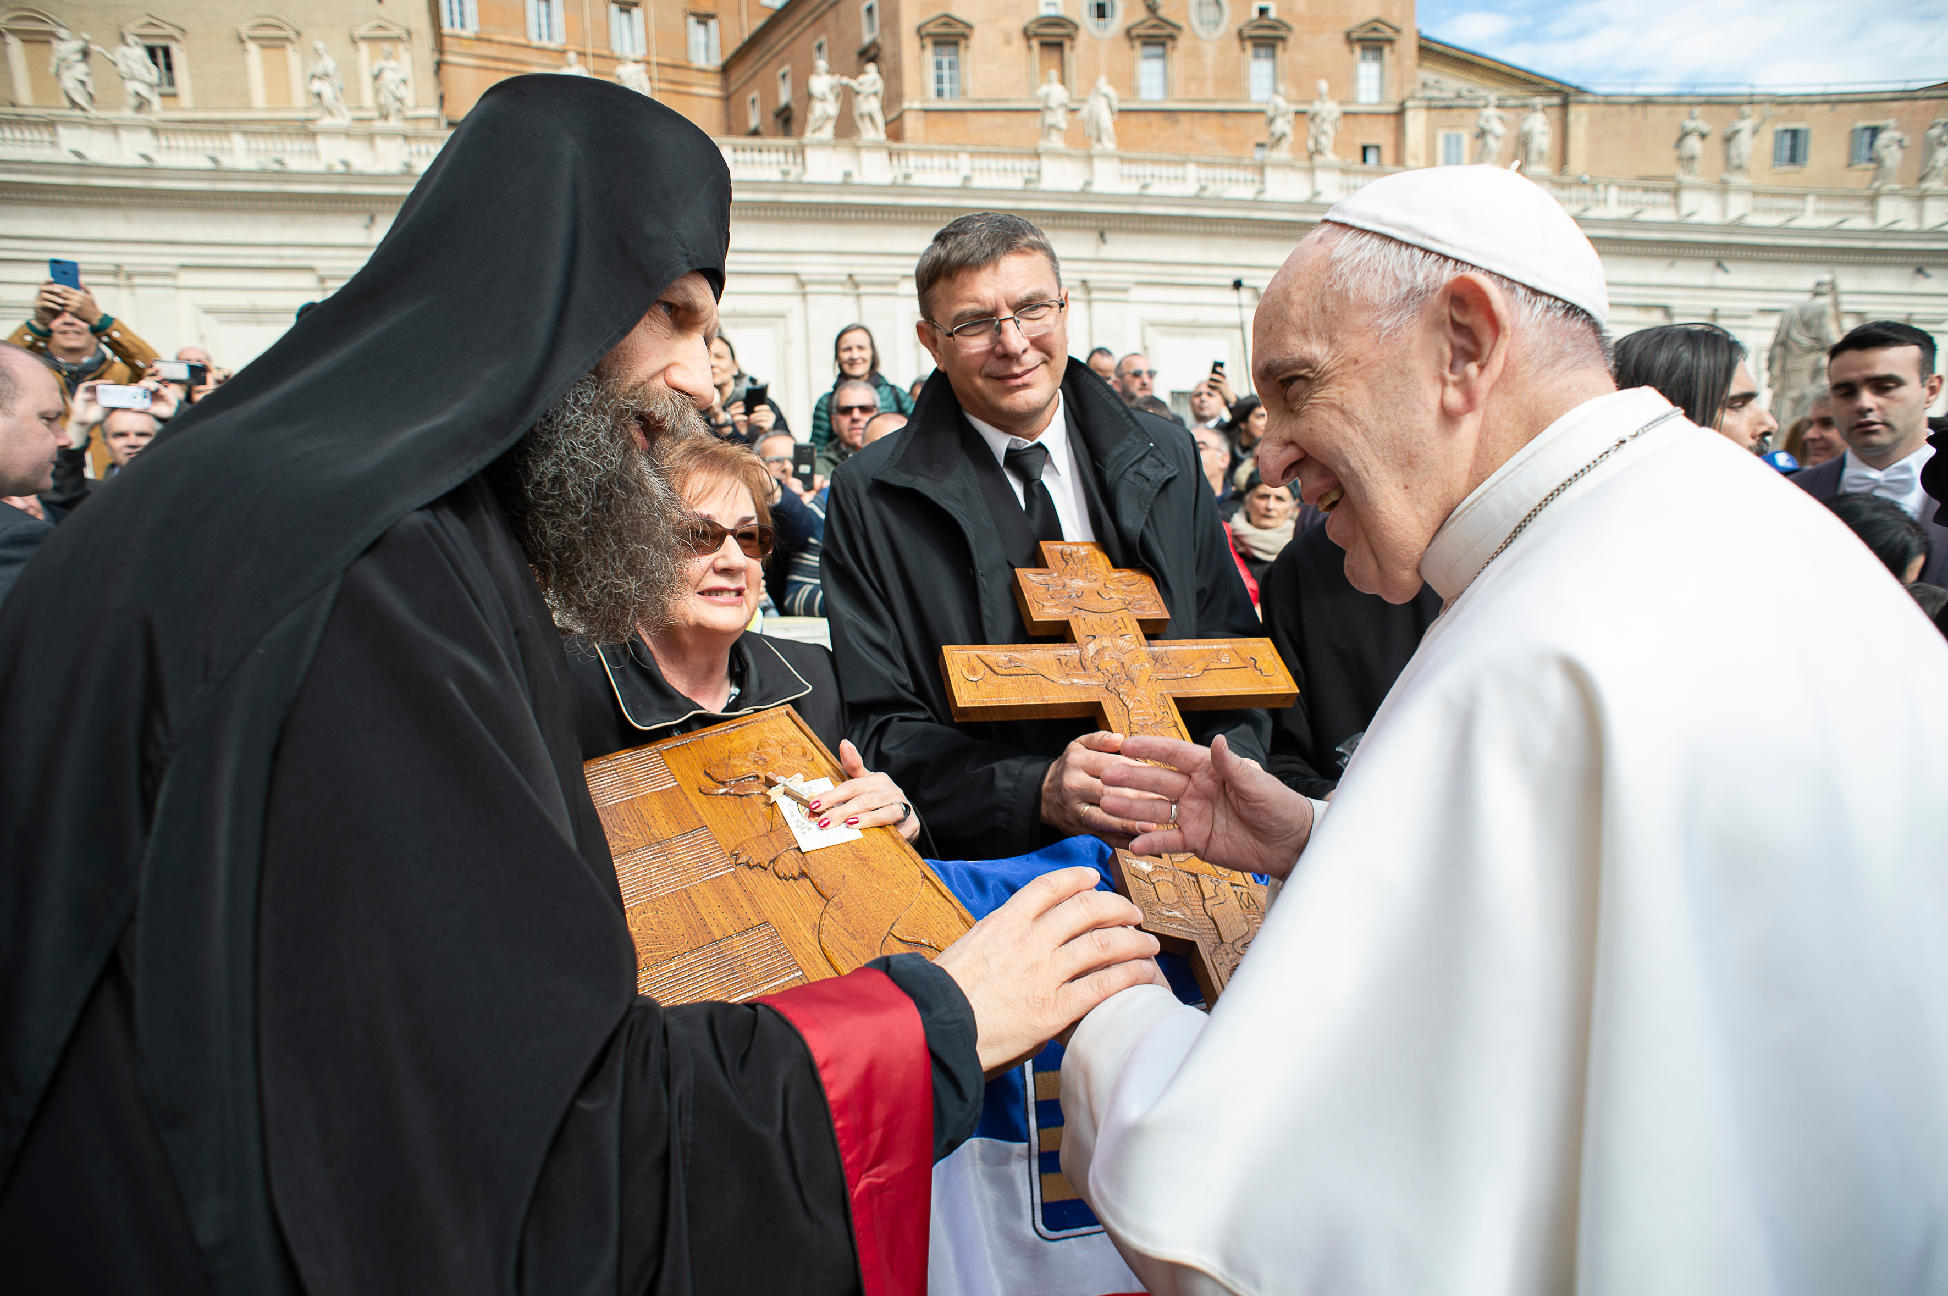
(1396, 280)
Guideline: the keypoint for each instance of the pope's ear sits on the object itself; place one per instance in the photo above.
(1473, 319)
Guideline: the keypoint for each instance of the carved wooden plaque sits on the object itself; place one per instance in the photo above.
(1131, 686)
(721, 902)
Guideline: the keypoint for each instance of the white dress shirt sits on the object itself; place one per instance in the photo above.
(1899, 481)
(1062, 476)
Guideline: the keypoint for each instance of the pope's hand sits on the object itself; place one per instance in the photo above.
(1228, 810)
(1072, 791)
(1033, 967)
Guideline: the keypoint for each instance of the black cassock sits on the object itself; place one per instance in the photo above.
(315, 970)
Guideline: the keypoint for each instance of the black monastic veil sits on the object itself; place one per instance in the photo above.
(233, 701)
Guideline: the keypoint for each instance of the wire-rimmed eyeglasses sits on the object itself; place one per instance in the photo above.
(976, 334)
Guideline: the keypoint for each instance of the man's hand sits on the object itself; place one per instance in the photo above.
(81, 305)
(50, 301)
(1222, 386)
(763, 418)
(164, 399)
(1227, 809)
(84, 411)
(1072, 791)
(1033, 967)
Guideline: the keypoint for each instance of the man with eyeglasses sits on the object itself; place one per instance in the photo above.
(854, 402)
(1135, 379)
(1011, 443)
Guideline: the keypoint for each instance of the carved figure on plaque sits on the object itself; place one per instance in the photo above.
(1279, 115)
(1796, 361)
(1053, 96)
(1099, 116)
(631, 73)
(1740, 137)
(1890, 146)
(1691, 135)
(868, 94)
(1532, 140)
(1934, 167)
(68, 61)
(392, 86)
(1490, 129)
(822, 91)
(1321, 123)
(1112, 671)
(327, 86)
(141, 78)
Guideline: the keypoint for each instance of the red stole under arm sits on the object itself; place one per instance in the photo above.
(870, 1049)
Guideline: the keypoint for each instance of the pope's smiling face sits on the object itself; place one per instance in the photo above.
(1353, 416)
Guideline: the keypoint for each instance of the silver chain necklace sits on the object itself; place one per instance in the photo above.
(1552, 497)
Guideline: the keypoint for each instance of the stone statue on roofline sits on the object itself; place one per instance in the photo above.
(822, 91)
(1490, 129)
(1053, 96)
(868, 93)
(68, 61)
(1740, 138)
(1890, 146)
(327, 86)
(1321, 124)
(1934, 166)
(1099, 116)
(1532, 140)
(1691, 135)
(631, 73)
(141, 78)
(1279, 115)
(392, 86)
(1796, 361)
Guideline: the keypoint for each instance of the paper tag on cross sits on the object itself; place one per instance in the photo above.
(1111, 671)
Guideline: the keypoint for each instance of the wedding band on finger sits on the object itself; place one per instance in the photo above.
(1173, 812)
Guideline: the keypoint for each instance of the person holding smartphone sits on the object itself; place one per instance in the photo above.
(79, 342)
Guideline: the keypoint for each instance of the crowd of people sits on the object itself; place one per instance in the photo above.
(319, 973)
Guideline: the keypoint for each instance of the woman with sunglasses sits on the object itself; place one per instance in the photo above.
(704, 665)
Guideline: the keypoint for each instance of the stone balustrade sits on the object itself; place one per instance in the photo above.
(378, 148)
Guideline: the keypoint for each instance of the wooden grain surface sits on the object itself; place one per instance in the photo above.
(1111, 671)
(721, 903)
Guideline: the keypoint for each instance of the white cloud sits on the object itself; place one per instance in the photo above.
(1667, 44)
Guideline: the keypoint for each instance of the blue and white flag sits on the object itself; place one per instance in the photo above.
(1006, 1222)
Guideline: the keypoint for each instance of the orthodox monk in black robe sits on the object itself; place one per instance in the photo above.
(313, 970)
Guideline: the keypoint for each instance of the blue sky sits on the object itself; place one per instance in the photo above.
(1671, 44)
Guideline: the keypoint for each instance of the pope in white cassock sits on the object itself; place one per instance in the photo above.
(1559, 995)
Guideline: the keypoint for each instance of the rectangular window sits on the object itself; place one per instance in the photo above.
(626, 30)
(753, 113)
(1789, 146)
(1101, 14)
(1454, 148)
(164, 57)
(1264, 9)
(1366, 78)
(1048, 58)
(459, 15)
(1369, 155)
(544, 22)
(784, 87)
(1152, 72)
(946, 69)
(1860, 145)
(276, 62)
(1050, 6)
(820, 50)
(869, 20)
(1264, 70)
(700, 38)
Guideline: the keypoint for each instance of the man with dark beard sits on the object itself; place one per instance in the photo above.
(313, 969)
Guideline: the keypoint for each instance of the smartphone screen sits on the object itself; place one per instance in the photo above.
(65, 273)
(803, 461)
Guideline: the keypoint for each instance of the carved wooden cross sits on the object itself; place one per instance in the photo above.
(1131, 686)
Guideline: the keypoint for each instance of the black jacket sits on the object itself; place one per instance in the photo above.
(625, 701)
(1344, 649)
(922, 535)
(20, 535)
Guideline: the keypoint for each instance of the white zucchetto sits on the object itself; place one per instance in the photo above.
(1489, 217)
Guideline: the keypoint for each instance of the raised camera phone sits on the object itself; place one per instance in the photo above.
(65, 273)
(182, 371)
(755, 395)
(1217, 368)
(118, 396)
(803, 460)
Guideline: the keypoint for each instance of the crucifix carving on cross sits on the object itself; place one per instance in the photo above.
(1132, 686)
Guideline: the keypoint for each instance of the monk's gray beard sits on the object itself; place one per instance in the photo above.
(596, 518)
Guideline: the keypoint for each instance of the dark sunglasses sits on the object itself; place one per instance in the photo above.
(706, 537)
(858, 409)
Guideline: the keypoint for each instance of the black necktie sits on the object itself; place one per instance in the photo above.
(1026, 463)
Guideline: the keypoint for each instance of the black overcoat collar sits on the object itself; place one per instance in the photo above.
(1124, 463)
(649, 703)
